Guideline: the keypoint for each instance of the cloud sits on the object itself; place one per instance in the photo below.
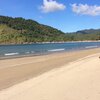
(85, 9)
(51, 6)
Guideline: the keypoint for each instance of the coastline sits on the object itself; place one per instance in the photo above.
(14, 71)
(77, 80)
(7, 53)
(49, 42)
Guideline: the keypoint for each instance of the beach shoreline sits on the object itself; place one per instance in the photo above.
(76, 80)
(14, 71)
(29, 50)
(50, 42)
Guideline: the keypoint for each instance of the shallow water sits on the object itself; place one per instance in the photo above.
(8, 51)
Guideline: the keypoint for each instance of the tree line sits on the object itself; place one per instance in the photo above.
(19, 30)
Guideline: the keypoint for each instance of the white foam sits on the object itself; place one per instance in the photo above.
(53, 50)
(10, 54)
(27, 52)
(32, 51)
(91, 47)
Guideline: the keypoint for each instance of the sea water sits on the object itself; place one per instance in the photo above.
(8, 51)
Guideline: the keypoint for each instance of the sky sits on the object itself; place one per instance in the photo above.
(65, 15)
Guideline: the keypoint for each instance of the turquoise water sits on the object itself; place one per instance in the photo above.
(7, 51)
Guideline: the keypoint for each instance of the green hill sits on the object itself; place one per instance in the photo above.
(82, 35)
(19, 30)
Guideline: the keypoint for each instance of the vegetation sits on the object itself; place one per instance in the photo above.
(84, 35)
(19, 30)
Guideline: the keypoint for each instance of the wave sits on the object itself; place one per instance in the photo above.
(91, 47)
(32, 52)
(11, 54)
(53, 50)
(27, 52)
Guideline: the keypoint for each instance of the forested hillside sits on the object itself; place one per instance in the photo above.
(90, 34)
(19, 30)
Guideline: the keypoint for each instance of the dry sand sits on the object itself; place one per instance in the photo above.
(13, 71)
(79, 80)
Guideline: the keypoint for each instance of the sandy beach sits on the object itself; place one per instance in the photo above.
(61, 76)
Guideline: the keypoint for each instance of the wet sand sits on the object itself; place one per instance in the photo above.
(14, 71)
(78, 80)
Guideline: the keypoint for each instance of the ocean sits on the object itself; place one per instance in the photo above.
(9, 51)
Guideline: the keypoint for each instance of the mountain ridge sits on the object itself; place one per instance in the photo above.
(19, 30)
